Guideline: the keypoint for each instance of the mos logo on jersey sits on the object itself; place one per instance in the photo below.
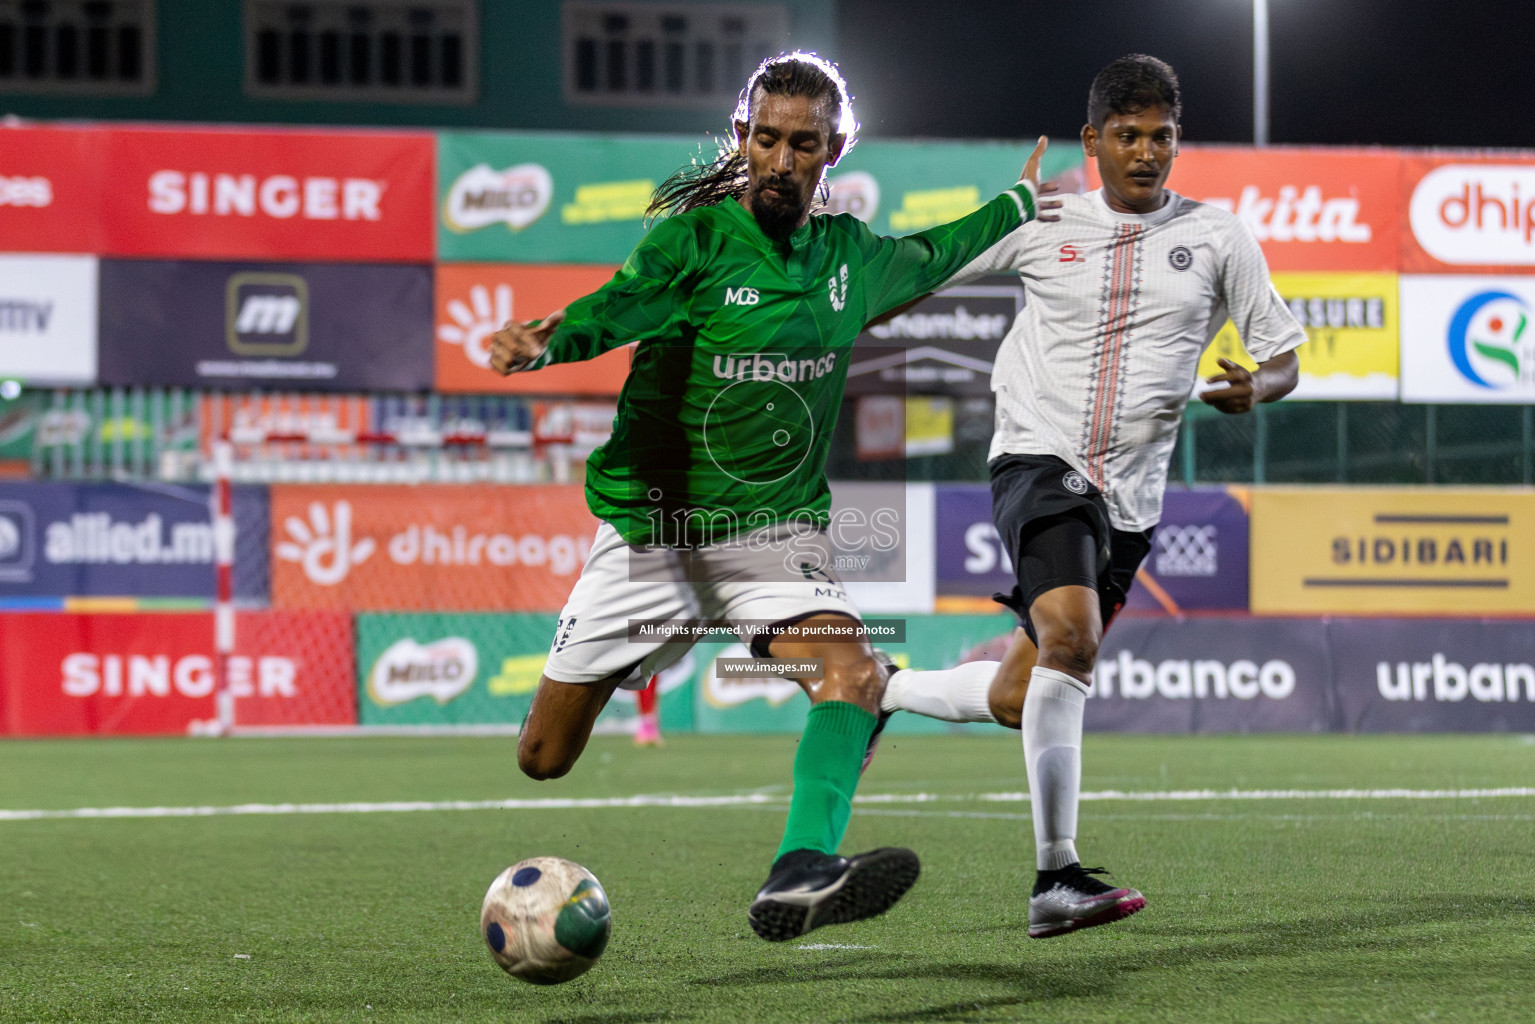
(266, 314)
(742, 296)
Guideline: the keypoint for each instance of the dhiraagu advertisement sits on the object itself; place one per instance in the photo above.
(1352, 336)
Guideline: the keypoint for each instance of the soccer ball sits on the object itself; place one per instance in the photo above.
(546, 920)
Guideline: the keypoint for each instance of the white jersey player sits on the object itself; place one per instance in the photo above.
(1123, 294)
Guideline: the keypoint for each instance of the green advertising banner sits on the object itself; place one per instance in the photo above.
(474, 669)
(535, 197)
(778, 705)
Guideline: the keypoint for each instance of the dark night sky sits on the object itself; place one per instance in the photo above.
(1425, 73)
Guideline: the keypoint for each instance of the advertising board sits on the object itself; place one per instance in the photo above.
(1379, 551)
(1469, 212)
(48, 319)
(50, 189)
(323, 327)
(69, 674)
(1352, 336)
(1198, 559)
(118, 539)
(1312, 209)
(1466, 339)
(474, 300)
(266, 194)
(428, 547)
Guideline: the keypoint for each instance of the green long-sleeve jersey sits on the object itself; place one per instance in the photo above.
(726, 417)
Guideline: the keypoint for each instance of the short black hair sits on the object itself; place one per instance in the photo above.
(1131, 84)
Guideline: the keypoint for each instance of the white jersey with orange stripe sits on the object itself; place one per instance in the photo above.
(1099, 364)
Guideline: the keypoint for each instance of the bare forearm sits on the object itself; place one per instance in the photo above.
(1276, 378)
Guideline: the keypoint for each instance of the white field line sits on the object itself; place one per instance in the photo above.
(746, 800)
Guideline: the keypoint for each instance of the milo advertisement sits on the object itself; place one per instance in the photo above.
(546, 197)
(474, 669)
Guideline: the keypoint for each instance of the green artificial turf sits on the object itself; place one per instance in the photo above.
(1259, 910)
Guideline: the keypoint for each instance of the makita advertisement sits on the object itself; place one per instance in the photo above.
(48, 319)
(114, 540)
(1198, 559)
(64, 675)
(317, 327)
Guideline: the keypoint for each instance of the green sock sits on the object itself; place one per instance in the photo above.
(825, 775)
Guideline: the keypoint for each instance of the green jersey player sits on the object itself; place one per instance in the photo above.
(712, 489)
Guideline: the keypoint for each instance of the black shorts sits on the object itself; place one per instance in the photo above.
(1055, 526)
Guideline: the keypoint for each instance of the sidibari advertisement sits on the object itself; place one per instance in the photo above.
(67, 675)
(477, 669)
(320, 327)
(474, 300)
(428, 546)
(48, 319)
(1352, 336)
(1379, 551)
(1467, 339)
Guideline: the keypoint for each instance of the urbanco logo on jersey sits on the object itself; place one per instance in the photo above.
(407, 669)
(856, 192)
(483, 196)
(1490, 341)
(475, 323)
(1297, 214)
(1476, 214)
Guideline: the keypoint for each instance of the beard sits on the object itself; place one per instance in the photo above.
(778, 216)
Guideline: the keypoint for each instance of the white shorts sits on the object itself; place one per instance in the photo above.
(749, 589)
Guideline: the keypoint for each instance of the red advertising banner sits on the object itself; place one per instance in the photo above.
(474, 300)
(267, 194)
(1469, 213)
(63, 674)
(1310, 208)
(49, 190)
(430, 547)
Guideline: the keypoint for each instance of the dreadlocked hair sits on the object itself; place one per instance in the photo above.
(703, 183)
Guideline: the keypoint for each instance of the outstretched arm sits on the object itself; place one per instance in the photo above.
(902, 269)
(641, 301)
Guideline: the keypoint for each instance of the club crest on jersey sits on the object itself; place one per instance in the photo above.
(1072, 253)
(838, 299)
(1180, 258)
(1075, 482)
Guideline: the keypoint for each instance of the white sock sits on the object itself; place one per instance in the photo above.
(956, 694)
(1052, 751)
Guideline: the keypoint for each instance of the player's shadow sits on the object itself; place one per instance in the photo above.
(1094, 970)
